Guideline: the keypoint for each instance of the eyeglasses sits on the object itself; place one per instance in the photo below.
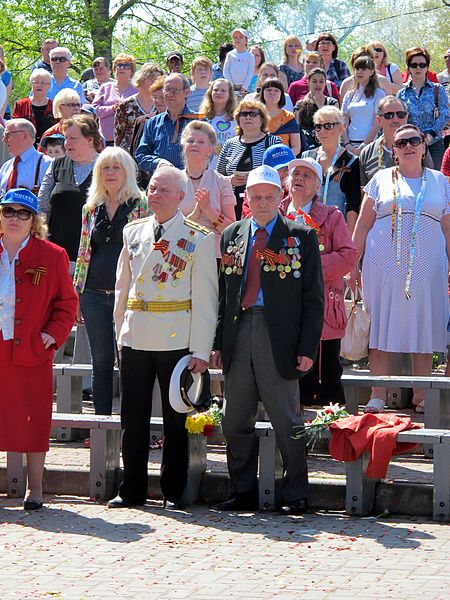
(168, 90)
(415, 65)
(327, 126)
(61, 59)
(401, 114)
(22, 213)
(40, 83)
(325, 42)
(72, 105)
(126, 66)
(378, 49)
(249, 113)
(412, 141)
(9, 133)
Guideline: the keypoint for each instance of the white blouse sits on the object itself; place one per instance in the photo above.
(8, 291)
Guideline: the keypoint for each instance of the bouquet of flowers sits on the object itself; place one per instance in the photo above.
(204, 422)
(312, 431)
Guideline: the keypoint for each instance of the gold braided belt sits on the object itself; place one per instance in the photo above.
(172, 306)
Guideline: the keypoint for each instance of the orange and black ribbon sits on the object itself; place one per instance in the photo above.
(37, 274)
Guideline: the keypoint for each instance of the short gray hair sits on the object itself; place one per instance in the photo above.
(178, 177)
(60, 50)
(43, 73)
(184, 79)
(388, 99)
(23, 124)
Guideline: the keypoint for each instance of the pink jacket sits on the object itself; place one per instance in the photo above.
(338, 258)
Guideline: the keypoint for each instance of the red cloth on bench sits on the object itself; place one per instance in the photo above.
(373, 433)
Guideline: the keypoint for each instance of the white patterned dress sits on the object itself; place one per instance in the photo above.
(398, 324)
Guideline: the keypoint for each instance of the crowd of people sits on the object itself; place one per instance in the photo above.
(216, 215)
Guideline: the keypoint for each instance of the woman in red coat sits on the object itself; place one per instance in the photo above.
(37, 309)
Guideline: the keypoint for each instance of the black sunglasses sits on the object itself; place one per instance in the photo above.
(401, 114)
(378, 50)
(412, 141)
(327, 126)
(415, 65)
(126, 66)
(61, 59)
(22, 213)
(249, 113)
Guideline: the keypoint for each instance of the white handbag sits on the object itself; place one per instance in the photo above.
(355, 343)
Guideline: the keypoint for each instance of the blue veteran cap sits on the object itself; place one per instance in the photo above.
(278, 156)
(21, 196)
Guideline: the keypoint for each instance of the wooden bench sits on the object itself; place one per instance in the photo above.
(105, 442)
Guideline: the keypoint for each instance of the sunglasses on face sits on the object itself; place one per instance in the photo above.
(401, 114)
(249, 113)
(126, 66)
(72, 105)
(412, 141)
(327, 126)
(415, 65)
(22, 213)
(61, 59)
(378, 50)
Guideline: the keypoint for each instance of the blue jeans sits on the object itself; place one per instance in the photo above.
(97, 310)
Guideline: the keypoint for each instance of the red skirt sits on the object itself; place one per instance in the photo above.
(26, 397)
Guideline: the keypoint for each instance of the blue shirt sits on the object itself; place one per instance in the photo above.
(217, 72)
(253, 228)
(68, 83)
(40, 64)
(26, 169)
(156, 142)
(421, 107)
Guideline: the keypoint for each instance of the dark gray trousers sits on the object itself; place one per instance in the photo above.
(252, 377)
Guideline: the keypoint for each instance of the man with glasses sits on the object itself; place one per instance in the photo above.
(392, 113)
(28, 166)
(162, 133)
(61, 59)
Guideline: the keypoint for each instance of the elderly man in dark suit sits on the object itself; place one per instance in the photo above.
(270, 321)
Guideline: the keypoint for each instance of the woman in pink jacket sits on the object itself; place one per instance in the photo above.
(323, 383)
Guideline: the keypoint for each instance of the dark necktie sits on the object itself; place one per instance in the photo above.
(159, 230)
(253, 279)
(12, 179)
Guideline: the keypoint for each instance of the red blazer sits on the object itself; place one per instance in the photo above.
(22, 110)
(48, 306)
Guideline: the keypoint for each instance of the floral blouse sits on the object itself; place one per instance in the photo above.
(125, 117)
(139, 211)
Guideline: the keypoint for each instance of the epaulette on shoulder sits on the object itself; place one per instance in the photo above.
(196, 226)
(137, 221)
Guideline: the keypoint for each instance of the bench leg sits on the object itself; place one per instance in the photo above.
(16, 474)
(441, 489)
(270, 472)
(360, 490)
(105, 462)
(68, 400)
(352, 399)
(432, 417)
(196, 467)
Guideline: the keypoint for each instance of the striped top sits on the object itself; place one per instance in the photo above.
(233, 149)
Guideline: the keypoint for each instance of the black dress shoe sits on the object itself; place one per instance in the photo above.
(119, 502)
(174, 504)
(242, 501)
(32, 505)
(295, 507)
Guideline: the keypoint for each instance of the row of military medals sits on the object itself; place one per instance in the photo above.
(233, 260)
(174, 264)
(285, 261)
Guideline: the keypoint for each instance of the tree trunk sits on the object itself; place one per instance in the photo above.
(101, 27)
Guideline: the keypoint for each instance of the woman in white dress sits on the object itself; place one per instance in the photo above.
(403, 230)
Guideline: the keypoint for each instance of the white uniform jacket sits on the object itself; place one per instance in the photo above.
(181, 267)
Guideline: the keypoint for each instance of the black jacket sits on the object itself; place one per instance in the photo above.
(293, 305)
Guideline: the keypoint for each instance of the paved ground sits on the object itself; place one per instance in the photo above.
(76, 550)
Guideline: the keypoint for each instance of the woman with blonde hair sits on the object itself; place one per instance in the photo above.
(113, 200)
(389, 70)
(141, 104)
(260, 58)
(218, 108)
(292, 65)
(209, 198)
(66, 104)
(244, 152)
(113, 92)
(38, 308)
(37, 108)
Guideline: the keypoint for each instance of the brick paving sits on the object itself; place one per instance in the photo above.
(76, 550)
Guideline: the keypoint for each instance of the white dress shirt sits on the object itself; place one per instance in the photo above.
(8, 291)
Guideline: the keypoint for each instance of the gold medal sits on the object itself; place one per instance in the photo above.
(296, 264)
(280, 268)
(239, 271)
(290, 251)
(282, 275)
(287, 269)
(228, 271)
(160, 285)
(266, 268)
(179, 274)
(273, 268)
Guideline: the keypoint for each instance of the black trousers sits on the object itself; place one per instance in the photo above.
(329, 387)
(139, 369)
